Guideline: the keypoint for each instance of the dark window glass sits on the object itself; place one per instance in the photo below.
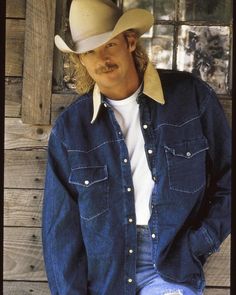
(206, 10)
(204, 51)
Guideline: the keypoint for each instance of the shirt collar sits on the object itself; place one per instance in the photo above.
(152, 88)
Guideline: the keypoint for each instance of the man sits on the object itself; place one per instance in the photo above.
(137, 191)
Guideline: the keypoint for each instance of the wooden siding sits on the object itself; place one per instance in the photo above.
(23, 207)
(25, 162)
(15, 30)
(38, 53)
(13, 92)
(15, 8)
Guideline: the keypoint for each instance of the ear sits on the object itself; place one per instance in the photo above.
(131, 38)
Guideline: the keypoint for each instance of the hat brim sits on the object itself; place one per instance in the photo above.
(138, 19)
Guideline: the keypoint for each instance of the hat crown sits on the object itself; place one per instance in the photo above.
(95, 22)
(89, 18)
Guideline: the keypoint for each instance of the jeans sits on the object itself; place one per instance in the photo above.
(148, 281)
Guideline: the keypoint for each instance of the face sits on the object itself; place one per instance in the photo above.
(111, 65)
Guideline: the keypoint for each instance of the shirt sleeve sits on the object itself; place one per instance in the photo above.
(215, 226)
(63, 247)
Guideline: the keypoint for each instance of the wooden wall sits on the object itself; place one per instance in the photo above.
(25, 160)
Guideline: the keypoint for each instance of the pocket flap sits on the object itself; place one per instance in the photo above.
(87, 176)
(188, 149)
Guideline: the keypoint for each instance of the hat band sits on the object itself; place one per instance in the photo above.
(92, 42)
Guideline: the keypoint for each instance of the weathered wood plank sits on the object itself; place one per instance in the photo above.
(23, 258)
(20, 135)
(61, 26)
(25, 169)
(217, 267)
(23, 207)
(15, 30)
(59, 103)
(15, 8)
(38, 59)
(13, 92)
(27, 288)
(217, 291)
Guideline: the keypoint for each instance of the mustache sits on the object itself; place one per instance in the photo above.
(108, 67)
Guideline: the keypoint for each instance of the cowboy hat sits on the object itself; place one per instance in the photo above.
(95, 22)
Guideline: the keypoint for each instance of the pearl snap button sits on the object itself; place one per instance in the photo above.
(130, 280)
(130, 220)
(150, 152)
(130, 251)
(86, 182)
(188, 154)
(129, 189)
(145, 126)
(105, 105)
(153, 236)
(125, 160)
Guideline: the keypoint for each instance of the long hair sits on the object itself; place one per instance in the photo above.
(84, 83)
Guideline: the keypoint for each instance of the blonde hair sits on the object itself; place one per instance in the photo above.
(84, 83)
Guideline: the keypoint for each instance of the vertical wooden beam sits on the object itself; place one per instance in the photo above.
(38, 61)
(61, 22)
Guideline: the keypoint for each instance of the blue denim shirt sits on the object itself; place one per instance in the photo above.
(89, 213)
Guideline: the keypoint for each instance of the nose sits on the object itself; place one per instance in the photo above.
(103, 55)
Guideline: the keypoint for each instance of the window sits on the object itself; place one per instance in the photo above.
(191, 35)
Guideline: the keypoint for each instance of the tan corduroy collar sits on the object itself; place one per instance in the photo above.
(152, 88)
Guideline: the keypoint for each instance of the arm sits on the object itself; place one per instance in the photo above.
(63, 248)
(215, 226)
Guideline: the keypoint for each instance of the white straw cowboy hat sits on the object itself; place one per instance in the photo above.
(94, 22)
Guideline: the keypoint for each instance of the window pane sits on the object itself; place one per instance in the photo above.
(68, 73)
(204, 51)
(164, 9)
(206, 10)
(160, 47)
(147, 44)
(146, 4)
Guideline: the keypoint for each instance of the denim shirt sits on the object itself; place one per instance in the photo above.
(89, 213)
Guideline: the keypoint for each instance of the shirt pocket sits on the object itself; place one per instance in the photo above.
(92, 185)
(186, 162)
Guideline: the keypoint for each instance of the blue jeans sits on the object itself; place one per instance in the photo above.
(148, 281)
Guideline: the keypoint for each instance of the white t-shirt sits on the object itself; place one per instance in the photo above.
(127, 114)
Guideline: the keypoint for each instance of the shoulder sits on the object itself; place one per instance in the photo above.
(184, 86)
(180, 78)
(79, 110)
